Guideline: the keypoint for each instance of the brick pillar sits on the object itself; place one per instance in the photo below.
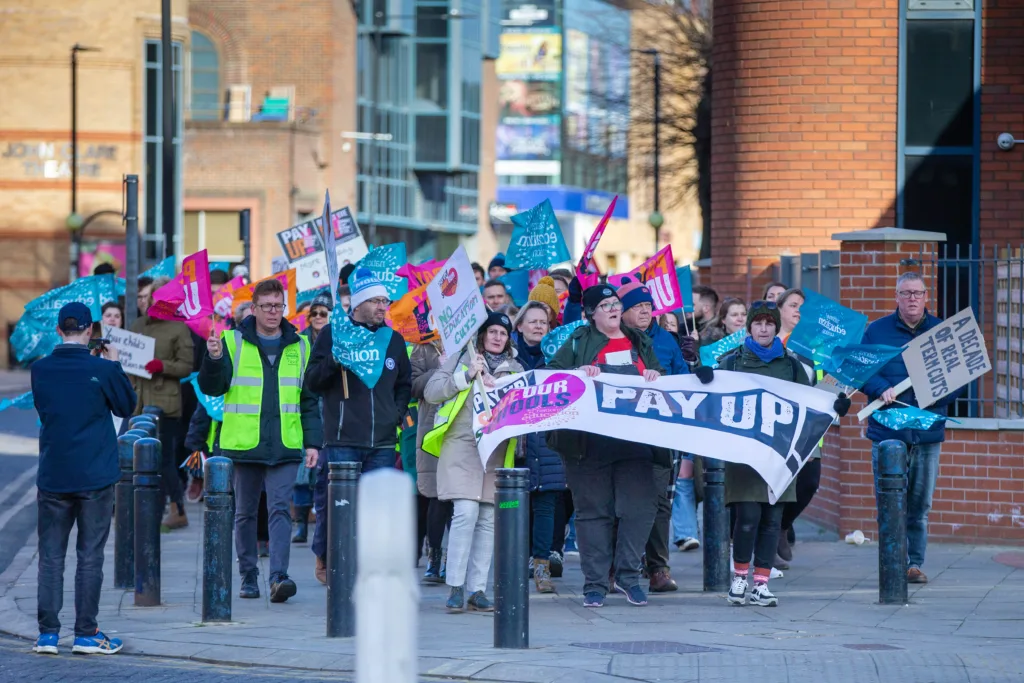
(871, 260)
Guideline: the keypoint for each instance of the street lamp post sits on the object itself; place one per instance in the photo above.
(167, 107)
(73, 218)
(656, 219)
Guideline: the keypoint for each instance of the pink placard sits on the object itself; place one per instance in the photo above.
(659, 274)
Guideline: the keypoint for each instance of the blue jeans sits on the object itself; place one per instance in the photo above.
(543, 503)
(58, 512)
(371, 459)
(922, 472)
(684, 511)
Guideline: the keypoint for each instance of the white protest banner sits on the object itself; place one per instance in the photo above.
(134, 350)
(311, 272)
(456, 305)
(946, 357)
(768, 424)
(351, 251)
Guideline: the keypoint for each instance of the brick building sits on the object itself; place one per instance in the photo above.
(870, 128)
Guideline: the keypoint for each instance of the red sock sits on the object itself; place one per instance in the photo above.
(741, 568)
(762, 575)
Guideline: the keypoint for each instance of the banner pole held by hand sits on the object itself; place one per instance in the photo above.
(878, 403)
(478, 383)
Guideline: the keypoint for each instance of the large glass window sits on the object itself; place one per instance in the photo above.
(205, 81)
(153, 145)
(940, 83)
(432, 74)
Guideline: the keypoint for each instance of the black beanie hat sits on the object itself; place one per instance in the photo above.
(497, 318)
(595, 295)
(764, 309)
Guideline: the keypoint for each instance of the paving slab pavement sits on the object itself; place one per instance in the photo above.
(966, 625)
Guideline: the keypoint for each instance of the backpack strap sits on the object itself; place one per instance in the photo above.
(798, 367)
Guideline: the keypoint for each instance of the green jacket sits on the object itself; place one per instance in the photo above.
(581, 348)
(742, 483)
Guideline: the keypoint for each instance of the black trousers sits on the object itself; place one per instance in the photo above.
(564, 510)
(170, 475)
(439, 516)
(807, 482)
(756, 532)
(422, 509)
(657, 543)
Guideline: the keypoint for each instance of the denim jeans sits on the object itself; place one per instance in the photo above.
(371, 459)
(922, 472)
(543, 503)
(58, 512)
(684, 511)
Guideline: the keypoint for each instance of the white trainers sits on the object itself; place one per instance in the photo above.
(761, 596)
(738, 590)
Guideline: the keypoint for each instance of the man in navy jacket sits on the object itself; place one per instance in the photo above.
(75, 392)
(910, 320)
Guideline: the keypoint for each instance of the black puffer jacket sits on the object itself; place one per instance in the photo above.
(547, 472)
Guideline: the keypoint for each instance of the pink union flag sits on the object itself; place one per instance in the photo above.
(187, 297)
(587, 264)
(659, 274)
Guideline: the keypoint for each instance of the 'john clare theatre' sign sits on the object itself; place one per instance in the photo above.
(53, 160)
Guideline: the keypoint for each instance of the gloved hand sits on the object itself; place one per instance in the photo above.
(155, 366)
(842, 405)
(689, 347)
(575, 291)
(705, 374)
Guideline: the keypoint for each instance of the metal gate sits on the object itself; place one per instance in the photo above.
(818, 271)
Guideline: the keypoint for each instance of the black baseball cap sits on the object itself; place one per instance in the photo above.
(76, 311)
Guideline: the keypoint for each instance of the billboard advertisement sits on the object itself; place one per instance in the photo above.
(530, 56)
(529, 142)
(527, 101)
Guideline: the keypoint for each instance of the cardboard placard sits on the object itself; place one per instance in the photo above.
(134, 350)
(946, 357)
(456, 304)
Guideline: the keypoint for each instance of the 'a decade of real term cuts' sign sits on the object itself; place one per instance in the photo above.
(947, 357)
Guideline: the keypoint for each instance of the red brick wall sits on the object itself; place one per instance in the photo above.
(803, 126)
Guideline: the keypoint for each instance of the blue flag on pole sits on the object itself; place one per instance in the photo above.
(358, 349)
(537, 240)
(855, 364)
(23, 402)
(517, 284)
(824, 326)
(710, 354)
(213, 405)
(164, 268)
(685, 279)
(554, 339)
(384, 263)
(907, 417)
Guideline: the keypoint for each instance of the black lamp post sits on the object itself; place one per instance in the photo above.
(74, 220)
(656, 219)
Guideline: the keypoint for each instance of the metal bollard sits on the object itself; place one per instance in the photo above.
(512, 559)
(144, 427)
(717, 562)
(149, 506)
(892, 522)
(146, 417)
(124, 512)
(218, 525)
(342, 483)
(387, 588)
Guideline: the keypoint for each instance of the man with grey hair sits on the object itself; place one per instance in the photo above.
(910, 320)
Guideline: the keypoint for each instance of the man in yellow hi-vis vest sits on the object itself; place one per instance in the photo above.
(271, 422)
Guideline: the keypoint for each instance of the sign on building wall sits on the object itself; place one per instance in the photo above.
(52, 160)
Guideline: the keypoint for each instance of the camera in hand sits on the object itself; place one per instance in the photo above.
(98, 343)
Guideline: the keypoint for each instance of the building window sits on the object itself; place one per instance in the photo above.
(153, 236)
(215, 231)
(432, 75)
(940, 83)
(205, 82)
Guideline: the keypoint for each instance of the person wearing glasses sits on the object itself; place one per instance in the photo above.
(612, 480)
(270, 423)
(910, 320)
(756, 529)
(360, 424)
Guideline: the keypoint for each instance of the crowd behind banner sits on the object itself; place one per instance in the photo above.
(609, 388)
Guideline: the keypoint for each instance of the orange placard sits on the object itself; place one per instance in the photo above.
(410, 317)
(286, 278)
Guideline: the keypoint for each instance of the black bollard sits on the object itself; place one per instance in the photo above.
(892, 522)
(149, 506)
(218, 525)
(512, 559)
(342, 484)
(124, 512)
(717, 567)
(145, 417)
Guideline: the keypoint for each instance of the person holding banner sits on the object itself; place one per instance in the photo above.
(461, 477)
(705, 303)
(547, 473)
(756, 530)
(173, 359)
(612, 480)
(910, 320)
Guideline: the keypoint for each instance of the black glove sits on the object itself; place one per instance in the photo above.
(575, 291)
(842, 405)
(705, 374)
(688, 345)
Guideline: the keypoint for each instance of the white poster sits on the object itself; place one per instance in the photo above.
(134, 351)
(946, 357)
(457, 308)
(351, 250)
(311, 272)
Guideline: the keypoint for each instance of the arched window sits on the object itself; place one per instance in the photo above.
(205, 79)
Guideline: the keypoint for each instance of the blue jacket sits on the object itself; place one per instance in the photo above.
(893, 331)
(75, 393)
(666, 348)
(547, 472)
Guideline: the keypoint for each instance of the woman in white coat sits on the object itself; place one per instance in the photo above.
(461, 477)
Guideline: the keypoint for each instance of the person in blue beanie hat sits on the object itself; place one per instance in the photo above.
(496, 268)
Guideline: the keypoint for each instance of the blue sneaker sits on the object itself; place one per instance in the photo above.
(98, 644)
(46, 644)
(593, 599)
(634, 595)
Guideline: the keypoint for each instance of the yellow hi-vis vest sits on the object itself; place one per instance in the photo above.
(240, 430)
(445, 416)
(211, 436)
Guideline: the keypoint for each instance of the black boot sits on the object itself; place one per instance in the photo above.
(301, 525)
(433, 573)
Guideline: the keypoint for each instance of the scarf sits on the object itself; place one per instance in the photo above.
(531, 357)
(494, 360)
(773, 352)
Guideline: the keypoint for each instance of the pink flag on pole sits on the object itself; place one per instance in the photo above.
(659, 274)
(421, 274)
(587, 264)
(187, 297)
